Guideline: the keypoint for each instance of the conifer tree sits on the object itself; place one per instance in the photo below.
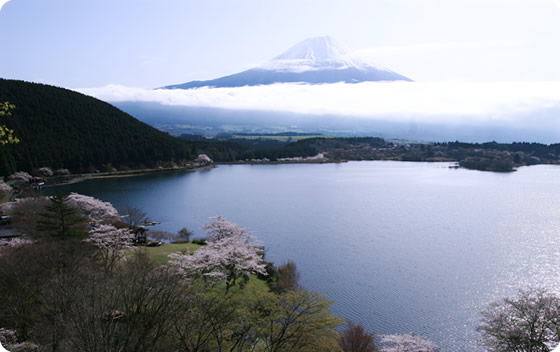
(61, 221)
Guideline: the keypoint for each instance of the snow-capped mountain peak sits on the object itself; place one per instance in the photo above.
(317, 60)
(317, 53)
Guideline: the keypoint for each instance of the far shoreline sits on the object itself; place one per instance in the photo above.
(77, 178)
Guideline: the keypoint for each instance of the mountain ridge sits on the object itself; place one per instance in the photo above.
(61, 128)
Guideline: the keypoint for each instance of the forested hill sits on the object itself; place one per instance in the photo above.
(60, 128)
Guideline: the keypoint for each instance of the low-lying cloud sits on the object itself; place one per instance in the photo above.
(514, 103)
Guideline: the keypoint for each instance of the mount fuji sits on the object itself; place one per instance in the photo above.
(314, 61)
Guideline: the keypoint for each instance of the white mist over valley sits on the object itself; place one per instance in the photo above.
(320, 77)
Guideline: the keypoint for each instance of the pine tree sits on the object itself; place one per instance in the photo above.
(61, 221)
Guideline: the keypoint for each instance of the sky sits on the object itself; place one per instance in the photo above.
(151, 43)
(471, 59)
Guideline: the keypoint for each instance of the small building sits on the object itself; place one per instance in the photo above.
(140, 236)
(140, 232)
(37, 183)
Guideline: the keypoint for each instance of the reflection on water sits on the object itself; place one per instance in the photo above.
(401, 247)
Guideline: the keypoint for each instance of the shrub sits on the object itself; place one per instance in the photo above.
(184, 235)
(288, 277)
(271, 274)
(200, 241)
(26, 213)
(355, 339)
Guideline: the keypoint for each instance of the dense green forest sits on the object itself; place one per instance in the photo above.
(490, 156)
(240, 149)
(62, 128)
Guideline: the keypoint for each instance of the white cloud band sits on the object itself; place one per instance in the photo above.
(448, 102)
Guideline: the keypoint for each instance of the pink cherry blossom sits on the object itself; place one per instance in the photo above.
(230, 254)
(4, 188)
(111, 242)
(406, 343)
(20, 176)
(94, 209)
(45, 171)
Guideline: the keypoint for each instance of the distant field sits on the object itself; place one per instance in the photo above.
(281, 138)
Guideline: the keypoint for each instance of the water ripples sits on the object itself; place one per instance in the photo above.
(400, 247)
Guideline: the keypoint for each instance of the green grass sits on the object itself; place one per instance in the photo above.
(253, 285)
(256, 284)
(159, 255)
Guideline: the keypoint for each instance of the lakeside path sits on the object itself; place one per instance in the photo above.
(129, 173)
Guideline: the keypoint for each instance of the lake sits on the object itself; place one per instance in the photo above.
(400, 247)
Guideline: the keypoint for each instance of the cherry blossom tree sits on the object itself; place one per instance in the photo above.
(20, 176)
(45, 171)
(407, 343)
(528, 323)
(221, 228)
(94, 209)
(203, 159)
(231, 254)
(111, 242)
(4, 188)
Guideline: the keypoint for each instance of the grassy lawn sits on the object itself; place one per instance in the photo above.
(256, 284)
(159, 256)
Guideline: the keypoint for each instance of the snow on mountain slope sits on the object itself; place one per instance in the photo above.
(313, 54)
(315, 61)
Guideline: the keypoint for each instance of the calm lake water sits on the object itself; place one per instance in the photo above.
(400, 247)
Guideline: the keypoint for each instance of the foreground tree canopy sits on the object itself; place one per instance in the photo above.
(70, 289)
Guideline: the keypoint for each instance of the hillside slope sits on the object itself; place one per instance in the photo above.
(62, 128)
